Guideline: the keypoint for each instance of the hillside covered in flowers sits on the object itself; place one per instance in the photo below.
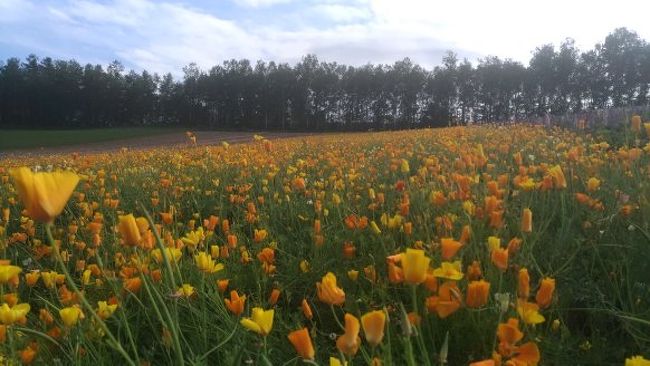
(487, 245)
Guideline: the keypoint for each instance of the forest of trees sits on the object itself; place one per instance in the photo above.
(313, 95)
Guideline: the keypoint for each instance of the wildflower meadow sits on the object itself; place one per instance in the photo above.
(476, 245)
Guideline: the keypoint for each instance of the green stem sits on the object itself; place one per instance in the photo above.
(266, 348)
(204, 312)
(12, 347)
(365, 355)
(420, 336)
(336, 318)
(494, 340)
(113, 341)
(162, 248)
(414, 299)
(389, 357)
(177, 344)
(410, 358)
(122, 313)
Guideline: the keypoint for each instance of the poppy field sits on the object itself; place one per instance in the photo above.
(480, 245)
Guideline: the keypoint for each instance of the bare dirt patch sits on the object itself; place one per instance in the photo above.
(203, 138)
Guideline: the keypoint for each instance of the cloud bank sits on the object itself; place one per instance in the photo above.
(163, 36)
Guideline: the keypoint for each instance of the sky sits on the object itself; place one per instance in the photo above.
(163, 36)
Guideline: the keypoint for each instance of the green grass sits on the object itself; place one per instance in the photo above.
(26, 139)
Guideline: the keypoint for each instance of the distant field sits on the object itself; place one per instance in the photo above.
(27, 139)
(103, 140)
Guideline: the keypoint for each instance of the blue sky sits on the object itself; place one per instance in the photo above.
(163, 36)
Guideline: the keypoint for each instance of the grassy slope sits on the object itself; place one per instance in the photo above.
(19, 139)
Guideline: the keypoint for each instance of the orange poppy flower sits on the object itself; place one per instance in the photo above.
(449, 247)
(301, 341)
(523, 288)
(499, 257)
(349, 342)
(477, 293)
(373, 324)
(447, 302)
(527, 221)
(275, 295)
(236, 303)
(545, 293)
(306, 309)
(328, 291)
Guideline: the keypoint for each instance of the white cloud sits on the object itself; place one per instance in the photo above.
(259, 3)
(342, 13)
(164, 36)
(15, 10)
(513, 28)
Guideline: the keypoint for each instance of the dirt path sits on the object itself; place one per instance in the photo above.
(203, 138)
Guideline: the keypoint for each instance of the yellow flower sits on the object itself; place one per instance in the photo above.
(593, 184)
(129, 230)
(494, 243)
(558, 177)
(527, 184)
(375, 229)
(329, 292)
(449, 270)
(336, 362)
(214, 251)
(391, 222)
(52, 278)
(304, 266)
(555, 326)
(10, 315)
(353, 275)
(173, 254)
(260, 235)
(415, 265)
(85, 277)
(104, 310)
(469, 208)
(71, 315)
(404, 166)
(336, 199)
(186, 290)
(260, 322)
(206, 264)
(44, 194)
(529, 312)
(193, 238)
(637, 361)
(7, 272)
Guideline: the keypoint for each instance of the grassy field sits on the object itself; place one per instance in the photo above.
(30, 139)
(484, 245)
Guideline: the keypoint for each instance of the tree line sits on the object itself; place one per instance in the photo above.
(313, 95)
